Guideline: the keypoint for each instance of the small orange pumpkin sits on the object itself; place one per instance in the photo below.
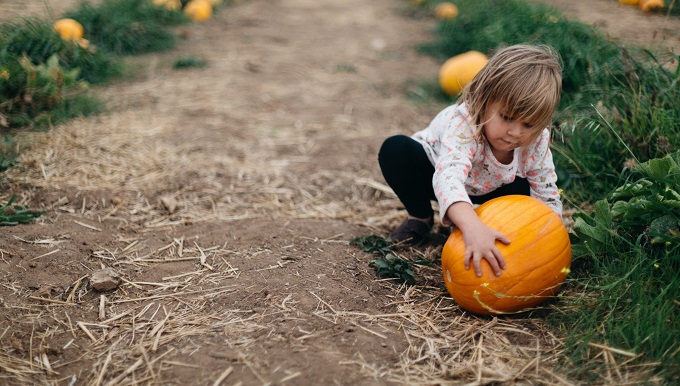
(459, 70)
(68, 29)
(198, 10)
(537, 259)
(446, 10)
(651, 5)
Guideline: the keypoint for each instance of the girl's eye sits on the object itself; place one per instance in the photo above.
(505, 117)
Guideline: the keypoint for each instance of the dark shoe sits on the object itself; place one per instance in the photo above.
(411, 232)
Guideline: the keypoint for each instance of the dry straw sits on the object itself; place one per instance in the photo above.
(132, 337)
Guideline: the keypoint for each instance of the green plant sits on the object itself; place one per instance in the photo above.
(42, 78)
(628, 254)
(47, 87)
(37, 40)
(189, 62)
(128, 26)
(14, 215)
(373, 244)
(8, 155)
(391, 266)
(388, 265)
(483, 25)
(635, 120)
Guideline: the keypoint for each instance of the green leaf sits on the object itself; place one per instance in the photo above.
(372, 243)
(16, 215)
(424, 262)
(391, 266)
(663, 229)
(667, 167)
(598, 234)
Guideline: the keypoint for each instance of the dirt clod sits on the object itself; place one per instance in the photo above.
(104, 280)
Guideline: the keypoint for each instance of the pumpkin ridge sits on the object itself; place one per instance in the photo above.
(529, 278)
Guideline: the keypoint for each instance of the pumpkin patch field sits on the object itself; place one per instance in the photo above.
(218, 220)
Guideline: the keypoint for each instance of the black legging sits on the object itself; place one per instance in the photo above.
(408, 171)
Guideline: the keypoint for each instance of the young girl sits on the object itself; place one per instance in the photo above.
(493, 142)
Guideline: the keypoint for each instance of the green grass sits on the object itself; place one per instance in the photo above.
(618, 115)
(8, 154)
(189, 62)
(627, 260)
(16, 214)
(626, 119)
(45, 79)
(126, 27)
(36, 39)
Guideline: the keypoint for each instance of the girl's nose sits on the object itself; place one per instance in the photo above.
(514, 130)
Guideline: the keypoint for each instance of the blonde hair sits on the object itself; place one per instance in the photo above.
(526, 82)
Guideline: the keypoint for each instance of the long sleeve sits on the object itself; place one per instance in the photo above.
(537, 163)
(450, 145)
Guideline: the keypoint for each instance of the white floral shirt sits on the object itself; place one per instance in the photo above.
(465, 167)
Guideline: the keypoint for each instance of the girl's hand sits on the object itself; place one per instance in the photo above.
(480, 243)
(480, 240)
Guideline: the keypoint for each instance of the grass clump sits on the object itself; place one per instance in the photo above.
(627, 254)
(44, 79)
(8, 154)
(126, 27)
(189, 62)
(387, 264)
(16, 214)
(632, 118)
(485, 25)
(37, 40)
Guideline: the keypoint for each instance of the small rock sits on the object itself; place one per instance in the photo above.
(106, 279)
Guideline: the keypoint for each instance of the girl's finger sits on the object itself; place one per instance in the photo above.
(499, 258)
(476, 261)
(501, 237)
(493, 263)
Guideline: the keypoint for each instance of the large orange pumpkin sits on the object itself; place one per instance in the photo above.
(537, 259)
(459, 70)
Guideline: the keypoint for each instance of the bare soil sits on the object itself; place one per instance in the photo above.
(225, 197)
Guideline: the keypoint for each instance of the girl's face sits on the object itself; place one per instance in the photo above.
(504, 132)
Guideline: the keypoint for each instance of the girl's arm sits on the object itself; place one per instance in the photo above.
(540, 172)
(480, 240)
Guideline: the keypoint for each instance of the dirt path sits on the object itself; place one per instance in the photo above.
(225, 198)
